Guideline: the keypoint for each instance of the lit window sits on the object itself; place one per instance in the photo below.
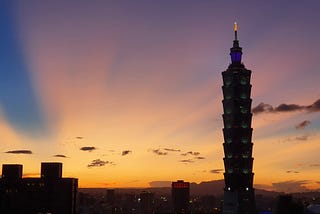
(245, 171)
(247, 188)
(228, 81)
(243, 81)
(244, 140)
(230, 170)
(245, 156)
(243, 96)
(228, 125)
(228, 96)
(244, 124)
(243, 110)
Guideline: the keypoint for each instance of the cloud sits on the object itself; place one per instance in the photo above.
(216, 171)
(315, 165)
(290, 171)
(187, 161)
(314, 107)
(302, 138)
(60, 156)
(200, 158)
(191, 153)
(24, 152)
(99, 163)
(172, 150)
(263, 107)
(291, 186)
(160, 184)
(126, 152)
(303, 124)
(288, 108)
(79, 138)
(159, 152)
(298, 138)
(88, 148)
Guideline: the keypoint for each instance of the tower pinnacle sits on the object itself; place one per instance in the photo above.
(239, 195)
(236, 50)
(235, 28)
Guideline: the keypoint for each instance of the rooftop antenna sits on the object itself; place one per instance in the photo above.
(235, 28)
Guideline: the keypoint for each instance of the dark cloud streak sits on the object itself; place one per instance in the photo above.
(159, 152)
(99, 163)
(264, 108)
(24, 152)
(191, 153)
(200, 158)
(187, 161)
(303, 124)
(88, 148)
(126, 152)
(172, 150)
(216, 171)
(60, 156)
(302, 138)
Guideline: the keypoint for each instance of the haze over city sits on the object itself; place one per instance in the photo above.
(128, 94)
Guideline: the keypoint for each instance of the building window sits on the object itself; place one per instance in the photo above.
(228, 125)
(243, 95)
(244, 124)
(230, 170)
(245, 171)
(227, 81)
(244, 140)
(243, 110)
(243, 81)
(228, 110)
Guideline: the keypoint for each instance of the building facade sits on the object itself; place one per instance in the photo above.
(180, 196)
(237, 132)
(48, 194)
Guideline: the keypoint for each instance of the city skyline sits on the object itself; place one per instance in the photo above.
(130, 93)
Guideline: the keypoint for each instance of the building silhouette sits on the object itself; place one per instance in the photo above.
(48, 194)
(237, 132)
(146, 202)
(180, 196)
(286, 205)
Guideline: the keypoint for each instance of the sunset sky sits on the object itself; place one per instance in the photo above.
(124, 93)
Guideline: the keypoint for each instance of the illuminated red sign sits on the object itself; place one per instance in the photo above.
(180, 185)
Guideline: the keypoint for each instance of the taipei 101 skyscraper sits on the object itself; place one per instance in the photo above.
(237, 132)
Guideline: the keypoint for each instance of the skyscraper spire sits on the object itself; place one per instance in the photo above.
(237, 133)
(236, 50)
(235, 28)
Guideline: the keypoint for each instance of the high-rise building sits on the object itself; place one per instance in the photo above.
(48, 194)
(11, 198)
(237, 132)
(146, 202)
(180, 196)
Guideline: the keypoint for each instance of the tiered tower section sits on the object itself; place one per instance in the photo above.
(237, 131)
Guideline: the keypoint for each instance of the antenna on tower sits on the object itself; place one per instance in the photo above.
(235, 28)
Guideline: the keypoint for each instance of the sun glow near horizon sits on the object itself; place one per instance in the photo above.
(126, 96)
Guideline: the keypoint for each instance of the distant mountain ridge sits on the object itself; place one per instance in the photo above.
(214, 187)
